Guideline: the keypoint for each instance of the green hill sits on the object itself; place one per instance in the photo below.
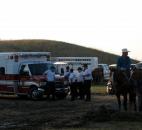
(57, 48)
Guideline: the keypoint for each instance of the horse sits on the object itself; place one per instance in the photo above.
(97, 75)
(122, 87)
(137, 81)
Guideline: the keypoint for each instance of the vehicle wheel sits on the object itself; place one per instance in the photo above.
(36, 94)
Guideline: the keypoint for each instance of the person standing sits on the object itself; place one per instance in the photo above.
(50, 86)
(67, 73)
(87, 82)
(124, 62)
(66, 76)
(73, 86)
(62, 71)
(80, 83)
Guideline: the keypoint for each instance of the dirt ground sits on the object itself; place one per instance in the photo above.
(24, 113)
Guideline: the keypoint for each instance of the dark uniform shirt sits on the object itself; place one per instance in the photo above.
(124, 63)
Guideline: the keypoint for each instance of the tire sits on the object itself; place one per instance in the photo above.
(35, 94)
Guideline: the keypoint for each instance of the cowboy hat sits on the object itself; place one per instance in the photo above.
(125, 50)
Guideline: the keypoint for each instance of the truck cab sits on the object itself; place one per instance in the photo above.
(35, 71)
(106, 71)
(31, 78)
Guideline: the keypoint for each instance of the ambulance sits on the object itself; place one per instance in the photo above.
(21, 73)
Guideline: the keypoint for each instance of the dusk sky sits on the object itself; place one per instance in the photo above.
(108, 25)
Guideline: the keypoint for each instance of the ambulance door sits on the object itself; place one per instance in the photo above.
(3, 87)
(11, 76)
(24, 77)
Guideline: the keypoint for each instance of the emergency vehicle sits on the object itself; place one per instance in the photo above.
(21, 73)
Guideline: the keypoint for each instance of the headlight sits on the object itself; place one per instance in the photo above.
(39, 89)
(58, 89)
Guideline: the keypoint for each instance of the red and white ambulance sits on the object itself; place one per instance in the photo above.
(21, 73)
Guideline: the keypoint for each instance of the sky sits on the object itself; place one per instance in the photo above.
(107, 25)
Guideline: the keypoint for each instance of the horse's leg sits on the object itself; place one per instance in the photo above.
(119, 101)
(125, 102)
(140, 102)
(132, 98)
(130, 101)
(134, 101)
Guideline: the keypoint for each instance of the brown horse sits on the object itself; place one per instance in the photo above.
(122, 87)
(97, 75)
(137, 81)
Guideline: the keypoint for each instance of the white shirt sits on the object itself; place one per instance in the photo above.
(72, 77)
(87, 74)
(80, 77)
(66, 75)
(50, 76)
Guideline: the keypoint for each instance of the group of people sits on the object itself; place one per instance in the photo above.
(79, 82)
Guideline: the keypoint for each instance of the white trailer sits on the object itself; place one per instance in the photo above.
(75, 62)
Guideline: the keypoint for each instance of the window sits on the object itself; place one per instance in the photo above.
(39, 69)
(24, 70)
(2, 70)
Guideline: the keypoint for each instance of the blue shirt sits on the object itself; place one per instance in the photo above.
(50, 76)
(124, 62)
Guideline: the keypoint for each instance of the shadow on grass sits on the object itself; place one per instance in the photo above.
(103, 114)
(100, 115)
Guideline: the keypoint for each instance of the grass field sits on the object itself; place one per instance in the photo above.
(99, 114)
(98, 89)
(109, 126)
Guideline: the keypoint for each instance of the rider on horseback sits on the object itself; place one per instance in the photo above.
(124, 63)
(124, 81)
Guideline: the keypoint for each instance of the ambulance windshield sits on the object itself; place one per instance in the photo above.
(40, 68)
